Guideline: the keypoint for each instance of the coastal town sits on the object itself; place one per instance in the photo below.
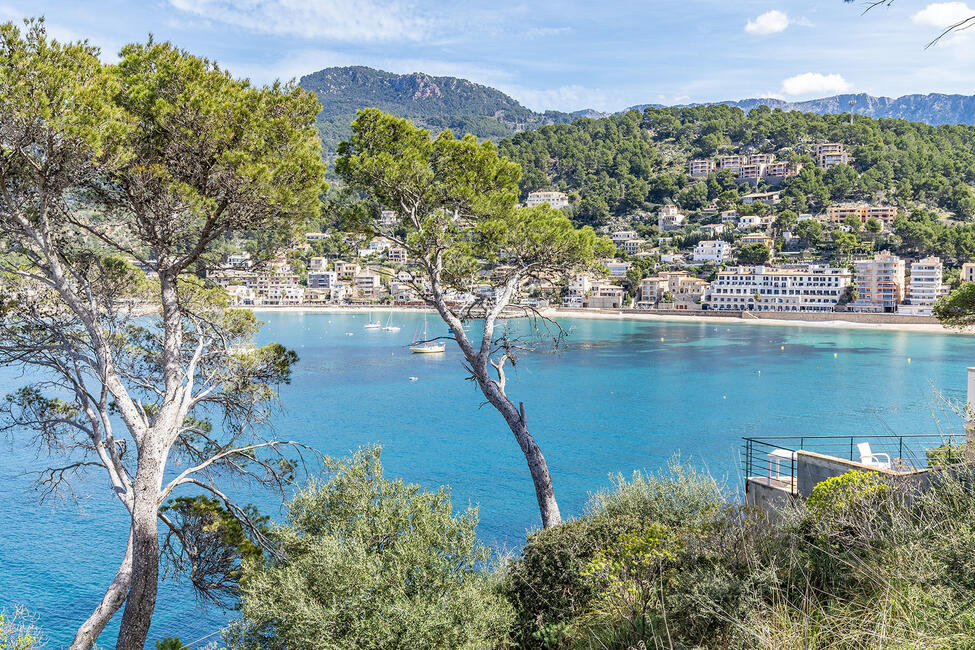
(749, 256)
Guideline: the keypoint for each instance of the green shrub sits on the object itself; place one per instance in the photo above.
(370, 563)
(946, 454)
(840, 493)
(548, 586)
(18, 632)
(679, 495)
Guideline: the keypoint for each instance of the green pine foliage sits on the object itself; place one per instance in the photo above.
(371, 563)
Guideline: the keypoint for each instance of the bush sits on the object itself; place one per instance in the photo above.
(680, 495)
(946, 454)
(840, 493)
(18, 632)
(548, 585)
(370, 563)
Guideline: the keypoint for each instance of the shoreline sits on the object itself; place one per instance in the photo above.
(693, 317)
(697, 317)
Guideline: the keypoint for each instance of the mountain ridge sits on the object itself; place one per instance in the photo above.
(432, 102)
(444, 102)
(930, 108)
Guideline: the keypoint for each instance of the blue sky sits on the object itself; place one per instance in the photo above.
(566, 54)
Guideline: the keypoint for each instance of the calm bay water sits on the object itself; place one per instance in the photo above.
(623, 395)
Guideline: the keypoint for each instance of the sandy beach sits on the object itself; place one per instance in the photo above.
(694, 317)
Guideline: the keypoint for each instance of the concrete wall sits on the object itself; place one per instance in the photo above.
(813, 468)
(768, 498)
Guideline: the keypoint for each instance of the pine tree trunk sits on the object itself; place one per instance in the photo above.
(548, 507)
(141, 599)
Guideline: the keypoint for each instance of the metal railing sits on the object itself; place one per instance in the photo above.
(772, 460)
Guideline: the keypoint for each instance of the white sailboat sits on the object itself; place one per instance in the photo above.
(373, 324)
(389, 327)
(421, 346)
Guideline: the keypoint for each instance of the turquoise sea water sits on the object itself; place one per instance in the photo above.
(623, 395)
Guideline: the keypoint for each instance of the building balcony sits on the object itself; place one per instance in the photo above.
(790, 466)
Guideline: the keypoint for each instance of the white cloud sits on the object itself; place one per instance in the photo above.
(770, 22)
(339, 20)
(943, 14)
(810, 83)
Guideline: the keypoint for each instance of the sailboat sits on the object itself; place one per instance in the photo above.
(389, 327)
(373, 324)
(421, 346)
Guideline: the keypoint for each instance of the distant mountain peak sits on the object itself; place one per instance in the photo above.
(435, 103)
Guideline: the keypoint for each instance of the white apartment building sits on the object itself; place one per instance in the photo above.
(811, 288)
(830, 154)
(242, 296)
(555, 199)
(579, 286)
(713, 228)
(376, 245)
(239, 260)
(669, 218)
(712, 250)
(749, 221)
(631, 246)
(368, 283)
(621, 236)
(925, 288)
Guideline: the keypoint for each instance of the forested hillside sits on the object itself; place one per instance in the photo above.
(623, 165)
(435, 103)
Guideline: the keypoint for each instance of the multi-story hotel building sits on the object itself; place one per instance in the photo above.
(925, 288)
(751, 171)
(554, 199)
(830, 154)
(732, 163)
(879, 283)
(763, 288)
(885, 214)
(699, 168)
